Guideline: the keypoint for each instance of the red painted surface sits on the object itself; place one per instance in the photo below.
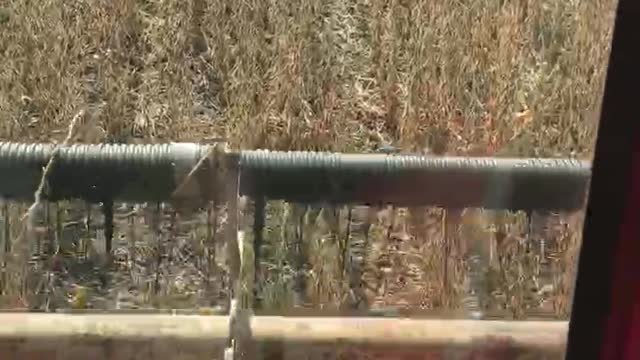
(622, 340)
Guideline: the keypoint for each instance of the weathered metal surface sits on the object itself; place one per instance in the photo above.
(139, 173)
(95, 172)
(60, 336)
(452, 182)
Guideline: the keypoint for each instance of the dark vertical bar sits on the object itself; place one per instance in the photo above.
(58, 241)
(87, 228)
(7, 244)
(107, 209)
(300, 256)
(210, 245)
(7, 228)
(37, 217)
(48, 248)
(258, 226)
(356, 253)
(159, 246)
(607, 297)
(344, 244)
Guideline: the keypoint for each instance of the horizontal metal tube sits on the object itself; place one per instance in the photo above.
(46, 336)
(152, 172)
(496, 183)
(97, 172)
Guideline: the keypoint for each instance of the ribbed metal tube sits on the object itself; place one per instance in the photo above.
(498, 183)
(151, 173)
(96, 172)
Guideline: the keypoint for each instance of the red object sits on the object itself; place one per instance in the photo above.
(605, 319)
(622, 340)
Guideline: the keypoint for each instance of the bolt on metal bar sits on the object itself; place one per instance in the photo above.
(139, 173)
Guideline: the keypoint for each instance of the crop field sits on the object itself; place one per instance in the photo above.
(440, 77)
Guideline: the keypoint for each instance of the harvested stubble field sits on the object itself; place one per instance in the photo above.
(495, 78)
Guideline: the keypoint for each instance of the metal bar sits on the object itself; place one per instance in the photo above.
(417, 180)
(258, 240)
(45, 336)
(97, 172)
(151, 172)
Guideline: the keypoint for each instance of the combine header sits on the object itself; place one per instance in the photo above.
(605, 320)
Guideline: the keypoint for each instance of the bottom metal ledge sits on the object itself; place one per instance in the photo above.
(107, 336)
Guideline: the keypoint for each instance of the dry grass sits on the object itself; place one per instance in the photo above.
(516, 78)
(451, 76)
